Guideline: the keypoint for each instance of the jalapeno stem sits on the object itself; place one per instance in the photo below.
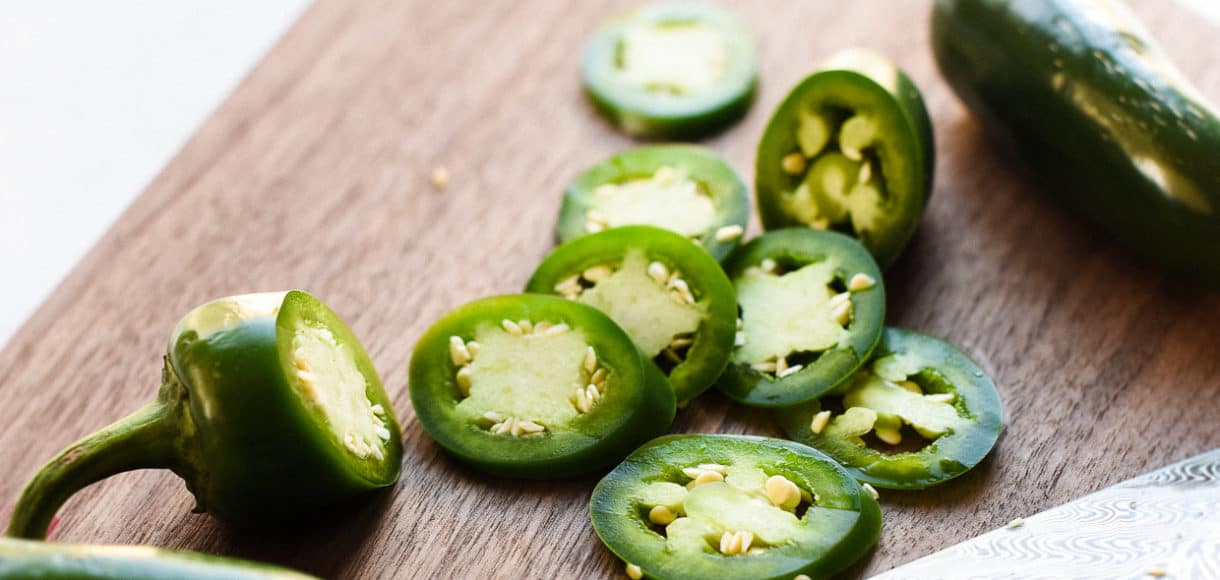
(145, 439)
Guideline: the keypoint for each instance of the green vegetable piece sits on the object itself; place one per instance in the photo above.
(914, 381)
(536, 387)
(683, 188)
(812, 308)
(269, 408)
(1095, 107)
(671, 297)
(849, 149)
(733, 507)
(672, 70)
(31, 559)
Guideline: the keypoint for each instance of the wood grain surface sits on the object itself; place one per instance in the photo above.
(315, 175)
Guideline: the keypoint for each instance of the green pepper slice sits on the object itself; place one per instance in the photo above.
(812, 307)
(723, 506)
(849, 149)
(269, 408)
(671, 297)
(536, 387)
(916, 387)
(671, 70)
(31, 559)
(686, 189)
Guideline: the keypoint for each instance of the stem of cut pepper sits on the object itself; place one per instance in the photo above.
(145, 439)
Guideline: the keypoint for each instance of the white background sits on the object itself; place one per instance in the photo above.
(96, 97)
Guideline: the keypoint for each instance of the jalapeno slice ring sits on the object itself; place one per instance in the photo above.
(683, 188)
(850, 149)
(915, 385)
(722, 506)
(671, 70)
(812, 307)
(536, 387)
(668, 294)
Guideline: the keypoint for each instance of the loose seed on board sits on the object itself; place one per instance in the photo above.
(860, 282)
(657, 271)
(940, 397)
(731, 232)
(458, 352)
(440, 177)
(793, 163)
(661, 515)
(511, 327)
(819, 422)
(634, 572)
(1016, 523)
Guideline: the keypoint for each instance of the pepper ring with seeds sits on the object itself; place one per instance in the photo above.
(670, 296)
(536, 387)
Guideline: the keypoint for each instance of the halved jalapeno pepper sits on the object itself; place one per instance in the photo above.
(849, 149)
(535, 386)
(669, 295)
(722, 506)
(269, 408)
(920, 414)
(683, 188)
(812, 307)
(671, 70)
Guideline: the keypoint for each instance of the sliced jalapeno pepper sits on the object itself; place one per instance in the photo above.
(30, 559)
(915, 385)
(722, 506)
(849, 149)
(812, 307)
(671, 70)
(670, 296)
(683, 188)
(535, 386)
(269, 408)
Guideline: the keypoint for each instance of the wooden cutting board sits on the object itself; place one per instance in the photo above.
(315, 175)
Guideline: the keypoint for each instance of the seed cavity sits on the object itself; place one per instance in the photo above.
(729, 233)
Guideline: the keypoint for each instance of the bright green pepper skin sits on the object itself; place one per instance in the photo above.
(709, 354)
(642, 113)
(624, 527)
(861, 81)
(230, 422)
(801, 246)
(27, 559)
(947, 457)
(709, 170)
(1091, 103)
(637, 406)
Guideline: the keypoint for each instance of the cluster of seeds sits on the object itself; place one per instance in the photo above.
(738, 542)
(309, 389)
(501, 425)
(704, 473)
(679, 290)
(572, 286)
(590, 394)
(887, 433)
(785, 494)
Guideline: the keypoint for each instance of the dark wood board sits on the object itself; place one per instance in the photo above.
(315, 174)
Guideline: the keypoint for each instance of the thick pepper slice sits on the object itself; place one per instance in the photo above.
(671, 297)
(31, 559)
(722, 506)
(920, 414)
(269, 408)
(671, 70)
(849, 149)
(811, 306)
(686, 189)
(536, 387)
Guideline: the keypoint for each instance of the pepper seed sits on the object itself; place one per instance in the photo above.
(729, 233)
(860, 282)
(819, 422)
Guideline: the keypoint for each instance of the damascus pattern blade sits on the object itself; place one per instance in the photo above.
(1161, 524)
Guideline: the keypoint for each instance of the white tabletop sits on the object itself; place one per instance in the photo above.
(95, 99)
